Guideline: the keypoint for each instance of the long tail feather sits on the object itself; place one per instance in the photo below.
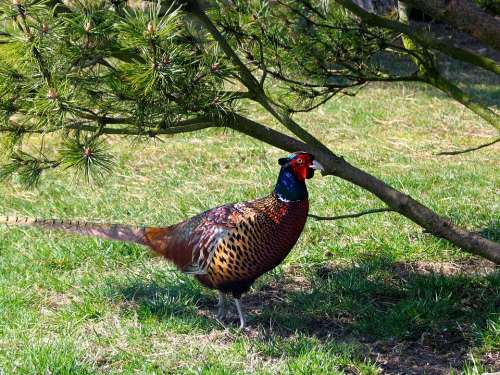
(118, 232)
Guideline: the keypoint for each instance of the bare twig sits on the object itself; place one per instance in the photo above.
(347, 216)
(468, 149)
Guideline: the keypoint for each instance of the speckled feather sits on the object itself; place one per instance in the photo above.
(230, 246)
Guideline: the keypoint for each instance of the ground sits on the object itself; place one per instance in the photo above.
(371, 295)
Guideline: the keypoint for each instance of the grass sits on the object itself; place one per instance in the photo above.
(364, 296)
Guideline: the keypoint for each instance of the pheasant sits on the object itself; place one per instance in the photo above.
(228, 247)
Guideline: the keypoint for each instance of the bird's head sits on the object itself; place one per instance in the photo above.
(301, 164)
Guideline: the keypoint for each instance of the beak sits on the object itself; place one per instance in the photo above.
(317, 166)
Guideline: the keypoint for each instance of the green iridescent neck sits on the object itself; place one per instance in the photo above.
(289, 187)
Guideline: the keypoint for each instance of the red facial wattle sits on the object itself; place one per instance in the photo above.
(301, 167)
(300, 171)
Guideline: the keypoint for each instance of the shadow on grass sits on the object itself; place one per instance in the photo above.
(172, 298)
(424, 312)
(405, 314)
(485, 90)
(378, 298)
(481, 84)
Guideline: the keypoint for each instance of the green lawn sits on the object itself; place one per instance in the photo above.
(360, 296)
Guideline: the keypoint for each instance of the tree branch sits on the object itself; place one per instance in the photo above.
(190, 126)
(431, 75)
(347, 216)
(267, 135)
(337, 166)
(417, 212)
(468, 149)
(89, 115)
(180, 127)
(247, 77)
(236, 95)
(395, 200)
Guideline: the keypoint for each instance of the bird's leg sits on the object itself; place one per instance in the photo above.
(221, 311)
(240, 313)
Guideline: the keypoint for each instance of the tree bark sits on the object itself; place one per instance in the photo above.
(465, 16)
(422, 37)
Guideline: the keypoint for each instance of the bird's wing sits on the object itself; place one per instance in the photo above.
(213, 227)
(204, 250)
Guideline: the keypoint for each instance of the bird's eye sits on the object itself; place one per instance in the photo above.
(300, 161)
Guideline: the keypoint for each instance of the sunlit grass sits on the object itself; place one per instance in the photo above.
(75, 305)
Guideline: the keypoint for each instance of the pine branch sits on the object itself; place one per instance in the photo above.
(253, 85)
(27, 167)
(151, 131)
(180, 127)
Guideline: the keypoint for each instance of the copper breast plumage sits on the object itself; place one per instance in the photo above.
(264, 233)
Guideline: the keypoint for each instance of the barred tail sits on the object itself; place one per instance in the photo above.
(118, 232)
